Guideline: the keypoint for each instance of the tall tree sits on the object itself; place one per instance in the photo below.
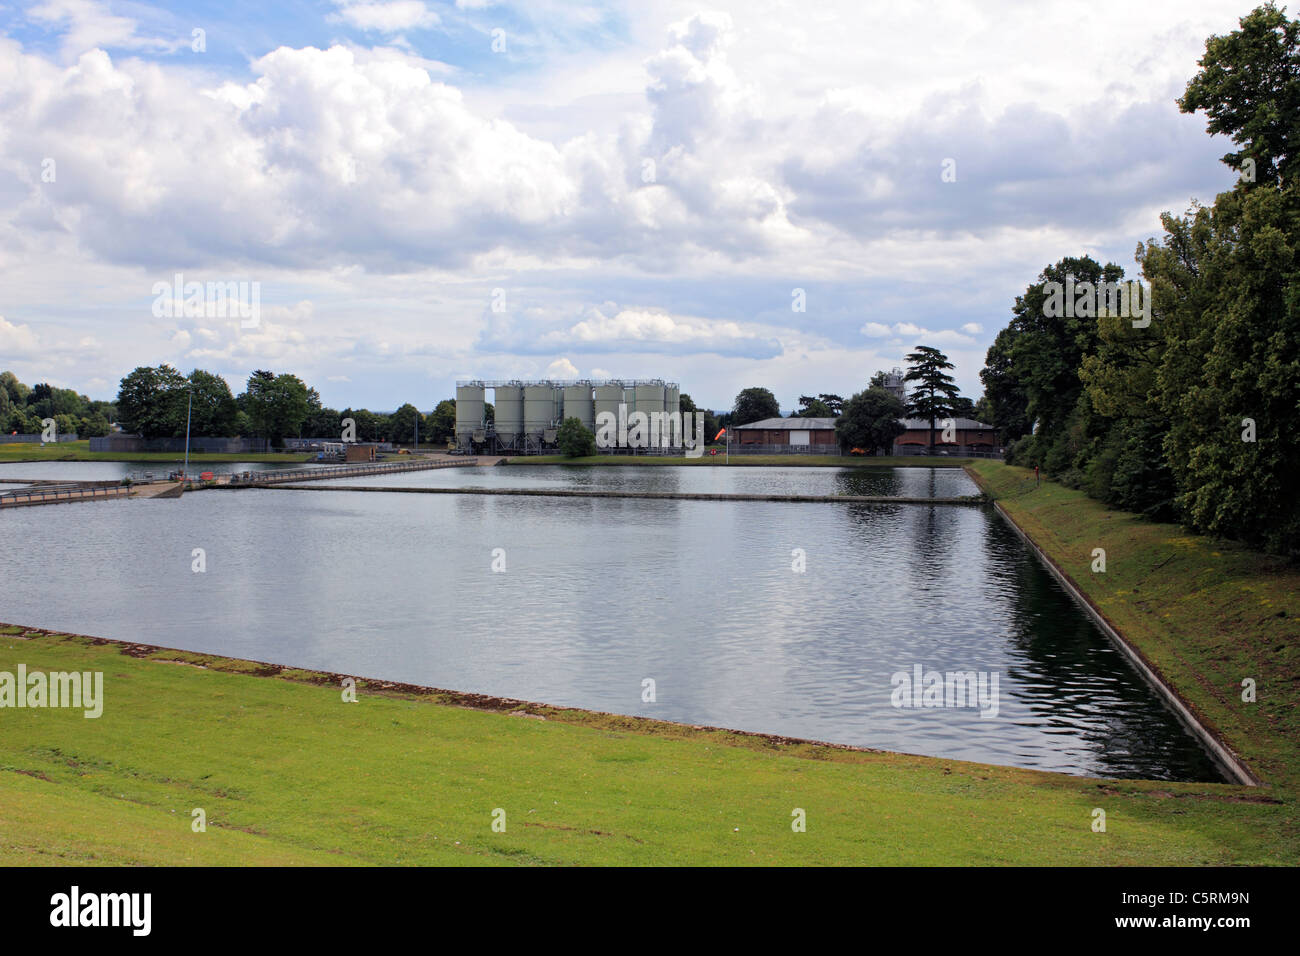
(810, 407)
(214, 407)
(1249, 87)
(935, 391)
(870, 421)
(754, 405)
(277, 405)
(151, 402)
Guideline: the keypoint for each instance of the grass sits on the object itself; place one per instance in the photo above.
(80, 451)
(1207, 614)
(287, 773)
(791, 461)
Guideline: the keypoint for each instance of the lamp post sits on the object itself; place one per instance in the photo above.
(189, 408)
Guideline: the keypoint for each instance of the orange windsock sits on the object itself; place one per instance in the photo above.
(719, 434)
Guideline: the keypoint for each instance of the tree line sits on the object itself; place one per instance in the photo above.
(24, 408)
(154, 402)
(1189, 416)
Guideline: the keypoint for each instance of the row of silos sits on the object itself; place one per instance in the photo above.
(529, 414)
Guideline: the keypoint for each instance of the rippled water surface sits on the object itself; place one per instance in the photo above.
(598, 595)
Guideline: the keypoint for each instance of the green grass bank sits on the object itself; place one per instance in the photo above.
(80, 451)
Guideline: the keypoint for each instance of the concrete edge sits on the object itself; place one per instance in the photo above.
(1227, 759)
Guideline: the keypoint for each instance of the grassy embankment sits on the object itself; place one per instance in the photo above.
(790, 461)
(1207, 614)
(288, 773)
(80, 451)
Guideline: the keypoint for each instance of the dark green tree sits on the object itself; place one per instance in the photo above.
(935, 389)
(574, 440)
(214, 407)
(277, 405)
(870, 421)
(441, 422)
(151, 402)
(754, 405)
(1249, 87)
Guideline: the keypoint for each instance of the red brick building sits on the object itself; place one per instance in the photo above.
(815, 434)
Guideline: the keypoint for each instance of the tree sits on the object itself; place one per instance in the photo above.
(574, 439)
(276, 404)
(1249, 87)
(870, 421)
(151, 402)
(441, 422)
(18, 392)
(963, 407)
(810, 407)
(402, 423)
(833, 402)
(213, 407)
(936, 391)
(754, 405)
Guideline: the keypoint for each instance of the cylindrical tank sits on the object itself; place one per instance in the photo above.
(608, 398)
(673, 406)
(539, 408)
(673, 399)
(579, 404)
(650, 400)
(509, 408)
(469, 409)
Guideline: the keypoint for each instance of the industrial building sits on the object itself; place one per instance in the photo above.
(817, 436)
(527, 414)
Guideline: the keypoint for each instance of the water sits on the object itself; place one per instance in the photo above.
(599, 594)
(897, 482)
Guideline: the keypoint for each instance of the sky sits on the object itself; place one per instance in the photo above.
(782, 194)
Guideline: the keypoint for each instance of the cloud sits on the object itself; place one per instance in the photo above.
(561, 368)
(638, 331)
(901, 331)
(17, 339)
(87, 25)
(391, 17)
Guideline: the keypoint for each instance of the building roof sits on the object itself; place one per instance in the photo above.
(793, 424)
(819, 424)
(924, 423)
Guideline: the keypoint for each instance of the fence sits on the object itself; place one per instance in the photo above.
(953, 451)
(53, 495)
(755, 448)
(32, 439)
(198, 445)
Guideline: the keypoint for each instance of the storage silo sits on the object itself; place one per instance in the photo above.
(469, 412)
(509, 407)
(608, 398)
(579, 404)
(539, 409)
(673, 406)
(650, 400)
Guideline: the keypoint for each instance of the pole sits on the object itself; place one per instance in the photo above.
(189, 407)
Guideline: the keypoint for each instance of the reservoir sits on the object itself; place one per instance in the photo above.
(592, 597)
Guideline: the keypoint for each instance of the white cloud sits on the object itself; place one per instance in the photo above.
(17, 339)
(972, 328)
(561, 368)
(385, 17)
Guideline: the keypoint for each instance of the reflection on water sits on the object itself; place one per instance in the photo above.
(599, 594)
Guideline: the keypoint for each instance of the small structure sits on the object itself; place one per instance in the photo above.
(357, 452)
(966, 437)
(794, 435)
